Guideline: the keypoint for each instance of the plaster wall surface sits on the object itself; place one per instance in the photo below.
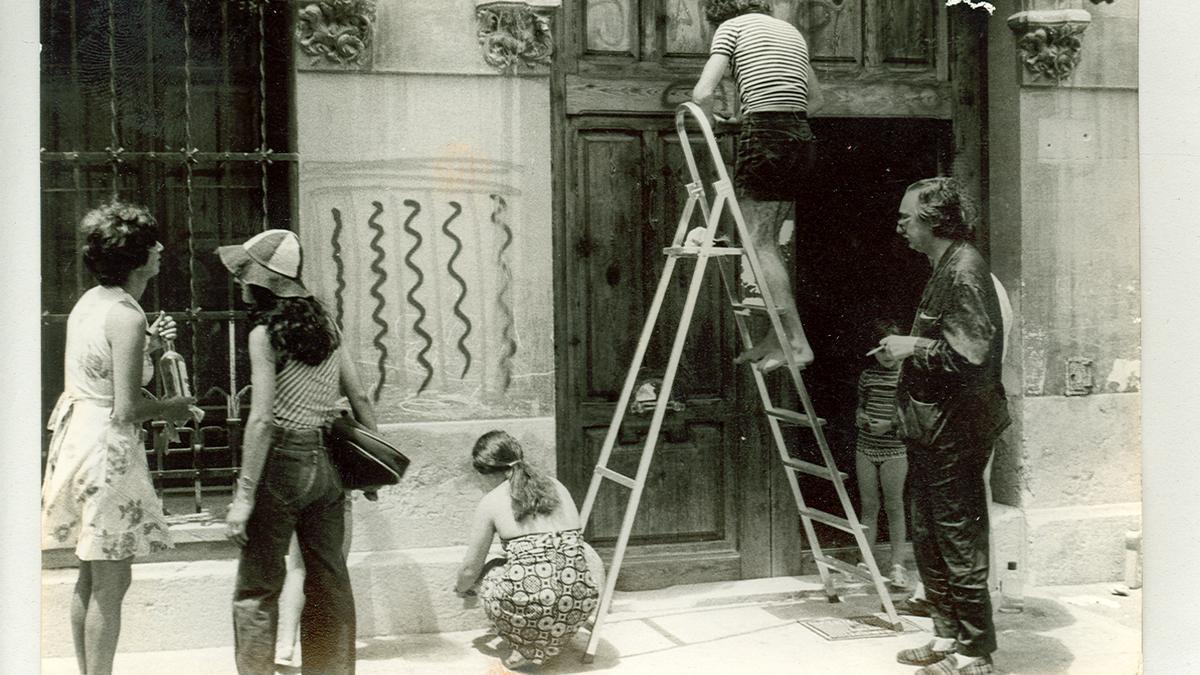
(1064, 233)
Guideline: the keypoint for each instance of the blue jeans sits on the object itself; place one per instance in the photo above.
(299, 491)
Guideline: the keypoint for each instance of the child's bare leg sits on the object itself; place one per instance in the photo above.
(891, 477)
(867, 476)
(763, 220)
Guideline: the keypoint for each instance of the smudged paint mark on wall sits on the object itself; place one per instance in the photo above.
(503, 295)
(1125, 376)
(462, 285)
(412, 294)
(339, 275)
(377, 313)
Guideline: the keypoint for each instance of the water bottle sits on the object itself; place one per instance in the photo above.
(1012, 590)
(172, 371)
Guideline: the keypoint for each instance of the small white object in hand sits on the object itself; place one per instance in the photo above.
(695, 237)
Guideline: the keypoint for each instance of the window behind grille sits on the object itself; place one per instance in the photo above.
(184, 106)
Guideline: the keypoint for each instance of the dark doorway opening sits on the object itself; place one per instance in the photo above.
(851, 268)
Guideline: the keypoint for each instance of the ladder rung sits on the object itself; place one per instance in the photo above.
(812, 469)
(695, 251)
(745, 308)
(829, 519)
(844, 567)
(616, 477)
(793, 417)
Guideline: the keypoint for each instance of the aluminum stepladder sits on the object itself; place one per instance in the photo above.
(776, 417)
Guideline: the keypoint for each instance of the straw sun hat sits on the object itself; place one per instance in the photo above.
(271, 259)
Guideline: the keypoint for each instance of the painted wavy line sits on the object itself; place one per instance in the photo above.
(377, 314)
(412, 294)
(499, 213)
(462, 285)
(340, 274)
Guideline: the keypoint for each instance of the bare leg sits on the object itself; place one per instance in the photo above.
(291, 603)
(291, 598)
(868, 493)
(110, 581)
(763, 219)
(891, 477)
(79, 606)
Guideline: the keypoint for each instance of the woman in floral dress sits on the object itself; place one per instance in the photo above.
(537, 596)
(97, 495)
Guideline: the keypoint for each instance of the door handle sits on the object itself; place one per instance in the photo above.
(645, 395)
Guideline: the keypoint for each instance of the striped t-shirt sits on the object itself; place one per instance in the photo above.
(769, 59)
(306, 396)
(877, 397)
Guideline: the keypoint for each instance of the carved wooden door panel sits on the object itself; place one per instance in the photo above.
(716, 506)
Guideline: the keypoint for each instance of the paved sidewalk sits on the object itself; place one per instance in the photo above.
(1068, 629)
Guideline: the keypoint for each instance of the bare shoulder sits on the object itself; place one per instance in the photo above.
(124, 321)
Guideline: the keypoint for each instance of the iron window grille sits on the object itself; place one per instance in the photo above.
(184, 106)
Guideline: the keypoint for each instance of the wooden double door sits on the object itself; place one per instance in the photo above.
(717, 505)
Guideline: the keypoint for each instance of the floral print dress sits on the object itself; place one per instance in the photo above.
(542, 593)
(97, 495)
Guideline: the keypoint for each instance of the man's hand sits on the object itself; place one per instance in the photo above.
(899, 347)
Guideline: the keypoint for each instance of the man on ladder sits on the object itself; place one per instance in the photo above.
(778, 133)
(775, 150)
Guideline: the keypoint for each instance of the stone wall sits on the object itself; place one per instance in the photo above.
(1063, 217)
(425, 214)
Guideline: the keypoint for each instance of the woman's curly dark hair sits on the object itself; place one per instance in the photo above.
(299, 328)
(117, 238)
(717, 12)
(945, 206)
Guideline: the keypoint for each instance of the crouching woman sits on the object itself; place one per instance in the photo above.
(544, 589)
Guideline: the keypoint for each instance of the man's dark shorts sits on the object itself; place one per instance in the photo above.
(775, 154)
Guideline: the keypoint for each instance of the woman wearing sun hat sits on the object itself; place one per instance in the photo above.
(287, 483)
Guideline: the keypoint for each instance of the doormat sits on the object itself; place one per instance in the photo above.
(855, 627)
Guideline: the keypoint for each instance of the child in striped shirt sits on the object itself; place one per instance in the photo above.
(880, 461)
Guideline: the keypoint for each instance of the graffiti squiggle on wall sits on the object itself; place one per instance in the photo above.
(412, 293)
(438, 250)
(504, 297)
(462, 286)
(339, 275)
(380, 278)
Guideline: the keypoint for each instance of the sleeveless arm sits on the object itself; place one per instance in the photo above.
(483, 529)
(257, 440)
(353, 390)
(124, 328)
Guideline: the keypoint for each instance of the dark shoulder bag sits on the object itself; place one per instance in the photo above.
(364, 459)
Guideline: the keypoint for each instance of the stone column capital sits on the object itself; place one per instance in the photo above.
(515, 33)
(1049, 41)
(335, 34)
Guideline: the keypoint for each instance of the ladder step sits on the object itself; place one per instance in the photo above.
(696, 251)
(812, 469)
(844, 567)
(616, 477)
(752, 306)
(793, 417)
(830, 520)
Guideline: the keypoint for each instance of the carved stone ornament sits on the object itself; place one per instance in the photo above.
(336, 32)
(515, 33)
(1049, 41)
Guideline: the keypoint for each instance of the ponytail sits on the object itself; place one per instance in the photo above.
(533, 492)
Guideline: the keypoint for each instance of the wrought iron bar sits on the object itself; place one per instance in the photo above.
(114, 149)
(196, 156)
(188, 151)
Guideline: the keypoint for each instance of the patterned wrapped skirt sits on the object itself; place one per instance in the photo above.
(542, 593)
